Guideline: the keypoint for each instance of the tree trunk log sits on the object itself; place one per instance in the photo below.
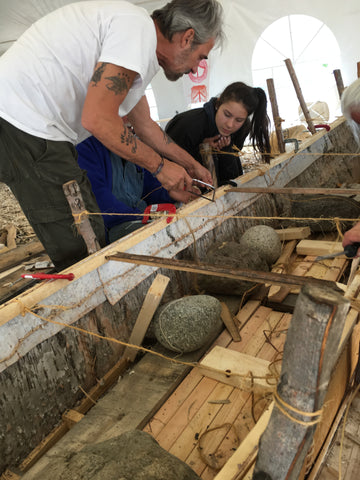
(309, 357)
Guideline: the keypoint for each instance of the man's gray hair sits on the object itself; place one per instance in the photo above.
(350, 99)
(204, 16)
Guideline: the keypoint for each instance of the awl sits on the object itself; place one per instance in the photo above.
(349, 251)
(49, 276)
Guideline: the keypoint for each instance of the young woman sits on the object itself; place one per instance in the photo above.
(224, 123)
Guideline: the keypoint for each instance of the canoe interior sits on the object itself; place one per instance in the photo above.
(45, 368)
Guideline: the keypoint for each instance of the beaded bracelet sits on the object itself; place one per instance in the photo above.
(158, 170)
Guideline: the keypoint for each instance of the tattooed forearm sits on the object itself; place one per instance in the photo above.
(98, 73)
(118, 84)
(167, 139)
(129, 138)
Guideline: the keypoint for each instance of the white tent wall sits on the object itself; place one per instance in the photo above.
(245, 22)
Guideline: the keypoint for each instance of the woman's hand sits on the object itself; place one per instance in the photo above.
(218, 142)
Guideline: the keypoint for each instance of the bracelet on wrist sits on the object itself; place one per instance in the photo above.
(160, 167)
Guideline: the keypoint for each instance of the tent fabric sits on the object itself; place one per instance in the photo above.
(245, 22)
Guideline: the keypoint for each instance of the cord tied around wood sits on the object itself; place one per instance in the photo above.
(284, 407)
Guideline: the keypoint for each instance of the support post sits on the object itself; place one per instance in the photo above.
(82, 222)
(276, 116)
(358, 69)
(339, 81)
(299, 94)
(309, 358)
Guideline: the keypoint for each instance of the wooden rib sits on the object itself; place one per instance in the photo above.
(148, 308)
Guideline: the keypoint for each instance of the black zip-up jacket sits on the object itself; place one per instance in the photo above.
(189, 129)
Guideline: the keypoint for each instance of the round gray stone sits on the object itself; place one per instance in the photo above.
(186, 324)
(265, 240)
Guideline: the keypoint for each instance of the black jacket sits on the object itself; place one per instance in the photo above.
(189, 129)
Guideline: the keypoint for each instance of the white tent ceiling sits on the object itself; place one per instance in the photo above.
(245, 22)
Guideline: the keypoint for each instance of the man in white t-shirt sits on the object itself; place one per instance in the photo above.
(76, 72)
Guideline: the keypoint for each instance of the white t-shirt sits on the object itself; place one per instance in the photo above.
(44, 76)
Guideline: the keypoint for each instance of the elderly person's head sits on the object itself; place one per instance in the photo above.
(350, 106)
(204, 16)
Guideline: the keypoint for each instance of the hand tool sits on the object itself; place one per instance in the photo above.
(349, 251)
(49, 276)
(208, 189)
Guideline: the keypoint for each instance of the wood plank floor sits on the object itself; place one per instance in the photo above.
(204, 420)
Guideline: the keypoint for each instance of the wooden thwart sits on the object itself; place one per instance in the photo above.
(238, 369)
(236, 274)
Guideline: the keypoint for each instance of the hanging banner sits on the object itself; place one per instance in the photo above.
(196, 85)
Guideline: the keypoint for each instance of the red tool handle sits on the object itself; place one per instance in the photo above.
(49, 276)
(159, 207)
(327, 127)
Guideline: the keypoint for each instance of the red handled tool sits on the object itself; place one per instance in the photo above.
(49, 276)
(159, 207)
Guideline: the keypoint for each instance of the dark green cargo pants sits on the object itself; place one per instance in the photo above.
(35, 170)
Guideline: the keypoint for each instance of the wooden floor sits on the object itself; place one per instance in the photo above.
(204, 420)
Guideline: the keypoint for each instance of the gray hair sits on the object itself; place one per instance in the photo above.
(204, 16)
(350, 99)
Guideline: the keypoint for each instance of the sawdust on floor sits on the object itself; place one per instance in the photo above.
(11, 213)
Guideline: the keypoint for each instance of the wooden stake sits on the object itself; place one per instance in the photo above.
(229, 323)
(276, 116)
(308, 361)
(358, 69)
(235, 274)
(300, 95)
(206, 155)
(82, 222)
(151, 303)
(339, 81)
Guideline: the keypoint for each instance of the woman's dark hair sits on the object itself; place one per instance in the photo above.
(255, 102)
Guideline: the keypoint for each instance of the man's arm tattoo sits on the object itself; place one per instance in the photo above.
(97, 74)
(129, 138)
(118, 84)
(167, 139)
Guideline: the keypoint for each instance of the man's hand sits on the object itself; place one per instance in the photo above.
(198, 172)
(352, 236)
(174, 177)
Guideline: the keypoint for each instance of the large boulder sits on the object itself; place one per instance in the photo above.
(187, 324)
(134, 455)
(265, 240)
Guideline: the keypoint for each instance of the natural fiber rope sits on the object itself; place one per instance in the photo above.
(282, 406)
(243, 217)
(137, 347)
